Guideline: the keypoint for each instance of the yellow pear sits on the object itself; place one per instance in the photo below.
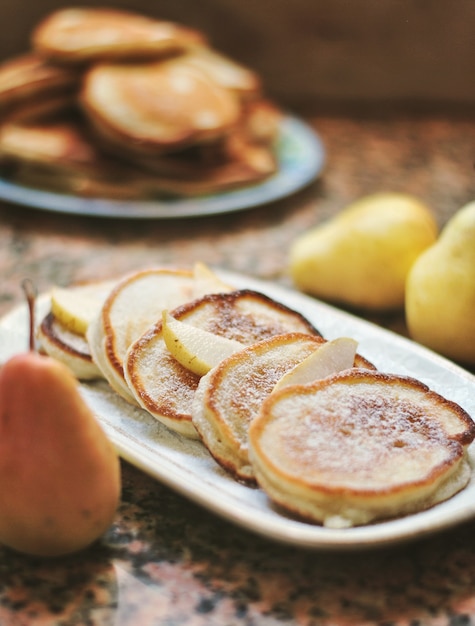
(59, 473)
(361, 257)
(440, 291)
(75, 307)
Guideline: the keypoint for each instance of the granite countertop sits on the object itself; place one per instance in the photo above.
(167, 561)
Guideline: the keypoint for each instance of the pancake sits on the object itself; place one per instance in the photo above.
(99, 184)
(251, 146)
(165, 388)
(229, 397)
(70, 348)
(240, 164)
(85, 35)
(59, 155)
(243, 315)
(261, 121)
(29, 77)
(113, 104)
(62, 331)
(222, 70)
(44, 108)
(61, 143)
(247, 156)
(359, 446)
(62, 156)
(149, 109)
(134, 305)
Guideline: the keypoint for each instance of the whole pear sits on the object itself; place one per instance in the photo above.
(440, 291)
(59, 473)
(361, 257)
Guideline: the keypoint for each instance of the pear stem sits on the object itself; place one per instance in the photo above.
(30, 294)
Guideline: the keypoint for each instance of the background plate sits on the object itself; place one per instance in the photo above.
(185, 465)
(300, 155)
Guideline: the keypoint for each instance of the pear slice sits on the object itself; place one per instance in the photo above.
(75, 307)
(207, 281)
(196, 349)
(331, 357)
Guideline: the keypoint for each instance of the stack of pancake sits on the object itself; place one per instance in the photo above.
(340, 444)
(114, 104)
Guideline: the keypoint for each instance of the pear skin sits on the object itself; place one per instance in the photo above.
(440, 291)
(361, 257)
(59, 473)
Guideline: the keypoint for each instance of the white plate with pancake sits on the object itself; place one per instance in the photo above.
(185, 466)
(300, 155)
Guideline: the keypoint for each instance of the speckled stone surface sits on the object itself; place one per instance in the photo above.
(167, 561)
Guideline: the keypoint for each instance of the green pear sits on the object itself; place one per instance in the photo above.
(440, 291)
(361, 257)
(59, 472)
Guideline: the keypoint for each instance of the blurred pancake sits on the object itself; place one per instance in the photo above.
(79, 35)
(29, 77)
(239, 163)
(48, 107)
(59, 156)
(113, 104)
(224, 71)
(61, 143)
(261, 121)
(149, 109)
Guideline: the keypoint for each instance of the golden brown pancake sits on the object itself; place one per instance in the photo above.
(61, 143)
(51, 107)
(243, 315)
(152, 108)
(151, 111)
(261, 121)
(131, 307)
(164, 387)
(360, 446)
(68, 347)
(29, 77)
(224, 71)
(79, 35)
(60, 156)
(62, 330)
(134, 305)
(229, 397)
(239, 163)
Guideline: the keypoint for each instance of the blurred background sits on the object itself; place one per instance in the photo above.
(368, 55)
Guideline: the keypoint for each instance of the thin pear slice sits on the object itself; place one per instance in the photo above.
(75, 307)
(331, 357)
(196, 349)
(207, 281)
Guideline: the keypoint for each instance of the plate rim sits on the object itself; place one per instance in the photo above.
(286, 181)
(267, 523)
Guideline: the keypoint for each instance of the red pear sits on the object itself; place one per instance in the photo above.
(59, 472)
